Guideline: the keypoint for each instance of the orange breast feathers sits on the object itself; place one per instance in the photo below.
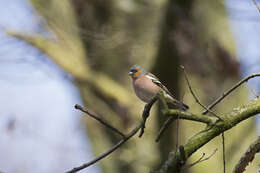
(145, 89)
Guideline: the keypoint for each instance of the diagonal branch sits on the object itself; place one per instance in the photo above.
(248, 156)
(145, 115)
(121, 142)
(174, 114)
(257, 6)
(198, 140)
(165, 125)
(194, 96)
(140, 125)
(202, 159)
(99, 120)
(230, 90)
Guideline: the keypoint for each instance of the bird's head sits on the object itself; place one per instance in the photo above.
(136, 71)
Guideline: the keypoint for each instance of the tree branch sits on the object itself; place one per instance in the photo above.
(257, 6)
(194, 96)
(140, 125)
(202, 159)
(214, 127)
(198, 140)
(99, 119)
(229, 91)
(190, 116)
(248, 156)
(165, 125)
(145, 115)
(223, 152)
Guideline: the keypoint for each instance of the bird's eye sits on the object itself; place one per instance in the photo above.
(134, 71)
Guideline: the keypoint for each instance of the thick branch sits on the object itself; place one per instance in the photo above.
(190, 116)
(248, 156)
(193, 144)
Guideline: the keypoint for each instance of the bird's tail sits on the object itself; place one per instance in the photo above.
(177, 105)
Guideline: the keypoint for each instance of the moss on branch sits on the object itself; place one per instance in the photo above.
(190, 116)
(237, 115)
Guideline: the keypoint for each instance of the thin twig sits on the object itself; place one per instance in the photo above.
(224, 152)
(253, 92)
(177, 132)
(207, 110)
(230, 90)
(99, 119)
(85, 165)
(194, 96)
(256, 5)
(201, 159)
(115, 147)
(197, 100)
(165, 125)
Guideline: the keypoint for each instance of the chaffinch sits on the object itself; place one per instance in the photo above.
(146, 86)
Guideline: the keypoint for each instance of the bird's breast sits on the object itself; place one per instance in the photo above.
(145, 89)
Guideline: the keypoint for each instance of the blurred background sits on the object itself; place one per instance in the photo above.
(55, 54)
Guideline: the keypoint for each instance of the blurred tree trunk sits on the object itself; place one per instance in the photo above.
(167, 63)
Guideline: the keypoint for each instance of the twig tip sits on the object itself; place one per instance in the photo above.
(77, 106)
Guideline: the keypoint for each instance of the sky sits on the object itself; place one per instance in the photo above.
(40, 130)
(244, 20)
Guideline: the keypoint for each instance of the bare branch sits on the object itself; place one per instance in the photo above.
(201, 159)
(230, 90)
(224, 152)
(121, 142)
(197, 100)
(248, 156)
(256, 5)
(196, 162)
(194, 96)
(165, 125)
(91, 114)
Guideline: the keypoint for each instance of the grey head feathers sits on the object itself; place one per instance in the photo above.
(134, 67)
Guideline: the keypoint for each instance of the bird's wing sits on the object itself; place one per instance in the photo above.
(158, 83)
(175, 102)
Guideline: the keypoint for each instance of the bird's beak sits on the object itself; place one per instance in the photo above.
(130, 73)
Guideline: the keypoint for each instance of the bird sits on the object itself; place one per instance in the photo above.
(146, 86)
